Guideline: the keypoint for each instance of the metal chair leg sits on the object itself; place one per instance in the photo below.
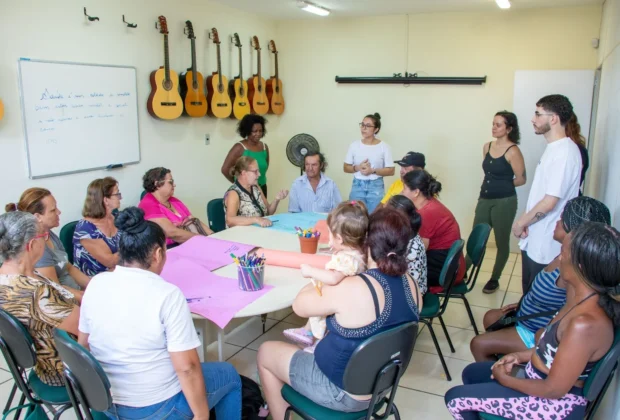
(443, 362)
(10, 400)
(22, 399)
(395, 412)
(471, 315)
(288, 413)
(263, 318)
(445, 331)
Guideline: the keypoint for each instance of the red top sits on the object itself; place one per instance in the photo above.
(441, 229)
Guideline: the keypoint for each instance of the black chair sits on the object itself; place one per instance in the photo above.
(434, 307)
(375, 367)
(476, 248)
(87, 384)
(18, 350)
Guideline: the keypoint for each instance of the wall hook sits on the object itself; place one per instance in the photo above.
(90, 18)
(129, 25)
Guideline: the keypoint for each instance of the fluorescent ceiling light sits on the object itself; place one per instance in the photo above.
(309, 7)
(503, 4)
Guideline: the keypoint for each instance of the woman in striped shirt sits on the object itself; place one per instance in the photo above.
(547, 292)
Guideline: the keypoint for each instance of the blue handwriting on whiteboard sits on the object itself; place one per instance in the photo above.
(65, 119)
(99, 105)
(105, 115)
(122, 105)
(40, 108)
(123, 94)
(46, 95)
(61, 106)
(47, 129)
(96, 95)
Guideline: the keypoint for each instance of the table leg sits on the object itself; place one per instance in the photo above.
(263, 318)
(220, 343)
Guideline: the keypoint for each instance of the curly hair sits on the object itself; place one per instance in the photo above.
(557, 104)
(153, 177)
(244, 128)
(510, 119)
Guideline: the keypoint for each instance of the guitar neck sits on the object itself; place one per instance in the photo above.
(240, 64)
(259, 71)
(195, 82)
(219, 67)
(166, 59)
(276, 54)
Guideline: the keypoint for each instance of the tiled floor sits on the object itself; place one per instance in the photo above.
(422, 387)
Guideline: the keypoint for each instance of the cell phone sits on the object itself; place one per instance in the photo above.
(518, 371)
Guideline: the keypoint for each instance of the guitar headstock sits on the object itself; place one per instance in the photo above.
(236, 40)
(272, 47)
(163, 26)
(255, 43)
(189, 30)
(215, 36)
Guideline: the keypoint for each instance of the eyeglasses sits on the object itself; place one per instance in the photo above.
(169, 181)
(45, 236)
(538, 114)
(118, 194)
(366, 125)
(255, 171)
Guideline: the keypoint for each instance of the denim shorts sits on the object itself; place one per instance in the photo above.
(528, 337)
(307, 379)
(369, 191)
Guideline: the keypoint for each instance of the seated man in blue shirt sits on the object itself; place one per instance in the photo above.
(313, 191)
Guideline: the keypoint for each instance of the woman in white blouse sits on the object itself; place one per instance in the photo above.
(369, 160)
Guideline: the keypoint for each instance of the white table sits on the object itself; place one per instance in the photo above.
(286, 282)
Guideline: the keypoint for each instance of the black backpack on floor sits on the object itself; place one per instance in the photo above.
(251, 400)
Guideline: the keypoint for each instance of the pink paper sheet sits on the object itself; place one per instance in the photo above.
(209, 252)
(217, 298)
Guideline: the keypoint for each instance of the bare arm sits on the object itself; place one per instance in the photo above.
(232, 207)
(385, 171)
(329, 277)
(515, 158)
(538, 212)
(177, 234)
(80, 278)
(100, 251)
(189, 371)
(349, 169)
(205, 227)
(50, 273)
(83, 340)
(273, 206)
(426, 242)
(70, 323)
(233, 154)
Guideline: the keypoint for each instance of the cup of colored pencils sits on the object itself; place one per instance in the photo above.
(308, 240)
(250, 272)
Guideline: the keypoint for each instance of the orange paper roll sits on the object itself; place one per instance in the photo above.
(292, 259)
(321, 226)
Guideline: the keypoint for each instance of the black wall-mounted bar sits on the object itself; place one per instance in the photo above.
(415, 80)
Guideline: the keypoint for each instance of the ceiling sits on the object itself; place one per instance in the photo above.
(287, 9)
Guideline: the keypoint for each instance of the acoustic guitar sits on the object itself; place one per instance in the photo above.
(192, 83)
(217, 86)
(239, 88)
(256, 86)
(274, 86)
(164, 101)
(1, 109)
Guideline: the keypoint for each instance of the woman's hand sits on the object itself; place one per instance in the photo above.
(263, 222)
(510, 307)
(281, 195)
(505, 364)
(499, 372)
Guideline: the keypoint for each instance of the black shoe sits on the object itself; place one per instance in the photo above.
(491, 287)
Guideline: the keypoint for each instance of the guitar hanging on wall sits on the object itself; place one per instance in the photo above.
(164, 101)
(1, 109)
(239, 87)
(256, 92)
(274, 86)
(191, 83)
(220, 105)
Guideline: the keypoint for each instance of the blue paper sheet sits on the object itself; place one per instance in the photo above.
(286, 222)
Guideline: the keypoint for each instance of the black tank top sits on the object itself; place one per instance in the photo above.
(498, 177)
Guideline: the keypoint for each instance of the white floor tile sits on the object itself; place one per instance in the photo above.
(460, 340)
(245, 363)
(274, 334)
(420, 405)
(456, 316)
(248, 332)
(228, 351)
(478, 298)
(512, 297)
(295, 319)
(425, 373)
(517, 270)
(281, 314)
(515, 285)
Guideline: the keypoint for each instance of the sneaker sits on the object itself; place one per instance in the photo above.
(491, 286)
(299, 335)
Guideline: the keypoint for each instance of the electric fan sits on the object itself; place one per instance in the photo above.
(298, 147)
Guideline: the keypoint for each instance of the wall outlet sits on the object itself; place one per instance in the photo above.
(207, 139)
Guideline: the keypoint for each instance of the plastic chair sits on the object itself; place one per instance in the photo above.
(476, 248)
(216, 215)
(142, 194)
(375, 367)
(87, 384)
(597, 383)
(18, 350)
(434, 307)
(66, 237)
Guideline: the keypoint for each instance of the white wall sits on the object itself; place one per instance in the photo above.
(604, 177)
(36, 29)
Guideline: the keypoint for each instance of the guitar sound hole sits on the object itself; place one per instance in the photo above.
(260, 103)
(220, 105)
(242, 103)
(196, 103)
(167, 84)
(168, 104)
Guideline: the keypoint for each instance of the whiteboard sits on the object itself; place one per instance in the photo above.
(529, 87)
(78, 117)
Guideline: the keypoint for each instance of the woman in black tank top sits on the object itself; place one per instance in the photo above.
(504, 169)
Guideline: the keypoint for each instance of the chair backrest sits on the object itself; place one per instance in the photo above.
(66, 237)
(144, 192)
(216, 215)
(449, 271)
(85, 378)
(600, 377)
(476, 248)
(377, 364)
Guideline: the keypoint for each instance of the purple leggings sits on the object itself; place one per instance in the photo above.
(481, 394)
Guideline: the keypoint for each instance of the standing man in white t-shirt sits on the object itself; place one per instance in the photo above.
(555, 182)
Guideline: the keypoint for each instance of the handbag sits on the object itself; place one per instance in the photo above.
(510, 319)
(192, 224)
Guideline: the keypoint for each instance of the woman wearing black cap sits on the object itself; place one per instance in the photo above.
(504, 169)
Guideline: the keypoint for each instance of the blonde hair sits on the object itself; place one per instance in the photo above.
(242, 164)
(350, 221)
(31, 201)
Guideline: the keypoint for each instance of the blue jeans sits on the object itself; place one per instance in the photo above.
(369, 191)
(223, 392)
